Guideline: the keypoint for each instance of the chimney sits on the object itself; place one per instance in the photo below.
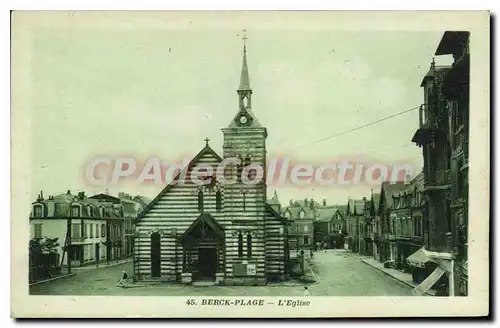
(311, 204)
(324, 202)
(364, 199)
(81, 195)
(41, 194)
(305, 201)
(291, 202)
(68, 192)
(51, 206)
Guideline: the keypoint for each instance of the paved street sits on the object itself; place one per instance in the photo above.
(338, 274)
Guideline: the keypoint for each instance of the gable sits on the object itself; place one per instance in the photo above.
(205, 156)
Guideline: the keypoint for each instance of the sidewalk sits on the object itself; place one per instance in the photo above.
(405, 278)
(101, 265)
(52, 279)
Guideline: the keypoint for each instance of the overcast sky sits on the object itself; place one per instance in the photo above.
(158, 92)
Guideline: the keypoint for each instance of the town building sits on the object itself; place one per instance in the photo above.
(376, 225)
(82, 226)
(115, 241)
(456, 92)
(301, 215)
(132, 207)
(330, 226)
(355, 221)
(387, 249)
(443, 136)
(407, 219)
(217, 232)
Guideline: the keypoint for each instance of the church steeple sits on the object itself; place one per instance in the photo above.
(244, 90)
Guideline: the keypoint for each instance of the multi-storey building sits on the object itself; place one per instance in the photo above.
(80, 224)
(456, 92)
(376, 226)
(406, 218)
(301, 215)
(443, 136)
(387, 249)
(330, 226)
(355, 221)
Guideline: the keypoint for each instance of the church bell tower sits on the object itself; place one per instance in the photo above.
(245, 142)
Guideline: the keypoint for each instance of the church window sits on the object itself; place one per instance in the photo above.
(240, 245)
(200, 201)
(244, 201)
(218, 200)
(249, 245)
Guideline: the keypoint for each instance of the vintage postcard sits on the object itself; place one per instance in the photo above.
(250, 164)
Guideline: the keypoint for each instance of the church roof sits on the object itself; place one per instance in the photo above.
(204, 151)
(244, 76)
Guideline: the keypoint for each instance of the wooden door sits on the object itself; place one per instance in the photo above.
(155, 255)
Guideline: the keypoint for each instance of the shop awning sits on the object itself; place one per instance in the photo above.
(418, 259)
(428, 282)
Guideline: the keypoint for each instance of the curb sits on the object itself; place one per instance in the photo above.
(393, 277)
(93, 267)
(52, 279)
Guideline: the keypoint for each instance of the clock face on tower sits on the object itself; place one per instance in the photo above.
(243, 119)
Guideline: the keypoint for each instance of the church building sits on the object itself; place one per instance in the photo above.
(217, 232)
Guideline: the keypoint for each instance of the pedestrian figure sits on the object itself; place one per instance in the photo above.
(306, 291)
(122, 282)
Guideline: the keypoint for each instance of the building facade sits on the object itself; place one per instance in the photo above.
(301, 215)
(407, 220)
(330, 227)
(83, 226)
(443, 136)
(388, 248)
(456, 92)
(214, 231)
(355, 221)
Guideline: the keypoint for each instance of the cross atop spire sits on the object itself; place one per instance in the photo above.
(244, 77)
(206, 141)
(244, 38)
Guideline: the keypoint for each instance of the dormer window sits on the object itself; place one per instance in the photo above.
(75, 211)
(302, 214)
(38, 211)
(91, 211)
(287, 214)
(102, 211)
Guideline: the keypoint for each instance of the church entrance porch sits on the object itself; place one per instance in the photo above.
(203, 250)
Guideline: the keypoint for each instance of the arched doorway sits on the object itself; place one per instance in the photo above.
(155, 255)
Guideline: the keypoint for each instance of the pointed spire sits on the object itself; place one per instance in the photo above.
(244, 77)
